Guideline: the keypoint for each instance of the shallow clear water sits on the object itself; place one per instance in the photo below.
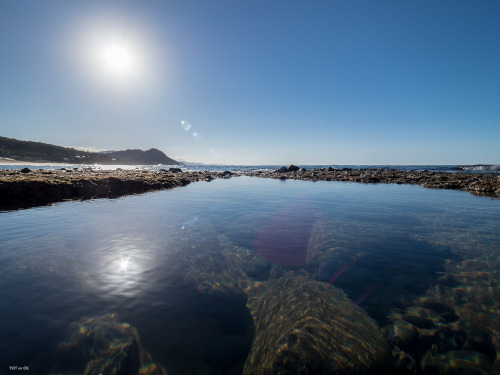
(164, 262)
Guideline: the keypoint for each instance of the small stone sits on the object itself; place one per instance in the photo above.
(480, 341)
(404, 334)
(405, 363)
(437, 307)
(420, 322)
(450, 317)
(25, 170)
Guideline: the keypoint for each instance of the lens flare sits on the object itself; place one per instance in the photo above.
(197, 136)
(186, 125)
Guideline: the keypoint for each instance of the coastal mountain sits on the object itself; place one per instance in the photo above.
(43, 152)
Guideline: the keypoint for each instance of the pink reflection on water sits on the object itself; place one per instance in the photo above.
(338, 274)
(365, 295)
(285, 240)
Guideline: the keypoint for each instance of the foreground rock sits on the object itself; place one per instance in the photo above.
(477, 184)
(28, 188)
(307, 327)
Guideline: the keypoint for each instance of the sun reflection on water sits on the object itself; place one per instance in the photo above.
(122, 265)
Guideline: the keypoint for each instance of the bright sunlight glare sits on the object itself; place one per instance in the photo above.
(118, 58)
(116, 53)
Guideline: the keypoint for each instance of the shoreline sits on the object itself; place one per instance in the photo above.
(30, 188)
(476, 184)
(9, 161)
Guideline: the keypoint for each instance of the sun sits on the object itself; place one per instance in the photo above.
(115, 53)
(118, 59)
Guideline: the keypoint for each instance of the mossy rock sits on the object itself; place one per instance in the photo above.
(308, 327)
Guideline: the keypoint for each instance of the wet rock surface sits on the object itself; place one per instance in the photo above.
(477, 184)
(29, 188)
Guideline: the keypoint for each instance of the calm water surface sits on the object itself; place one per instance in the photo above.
(162, 263)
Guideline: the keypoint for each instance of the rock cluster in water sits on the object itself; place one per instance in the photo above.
(27, 188)
(478, 184)
(453, 328)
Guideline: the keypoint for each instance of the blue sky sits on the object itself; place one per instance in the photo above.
(259, 82)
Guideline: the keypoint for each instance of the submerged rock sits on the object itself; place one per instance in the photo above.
(404, 334)
(404, 363)
(203, 262)
(308, 327)
(102, 345)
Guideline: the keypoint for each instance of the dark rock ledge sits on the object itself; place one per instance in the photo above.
(477, 184)
(29, 188)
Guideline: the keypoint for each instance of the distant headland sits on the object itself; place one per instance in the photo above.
(39, 152)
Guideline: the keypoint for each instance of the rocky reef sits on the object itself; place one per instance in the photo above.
(28, 188)
(477, 184)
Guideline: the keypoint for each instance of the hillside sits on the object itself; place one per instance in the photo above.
(42, 152)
